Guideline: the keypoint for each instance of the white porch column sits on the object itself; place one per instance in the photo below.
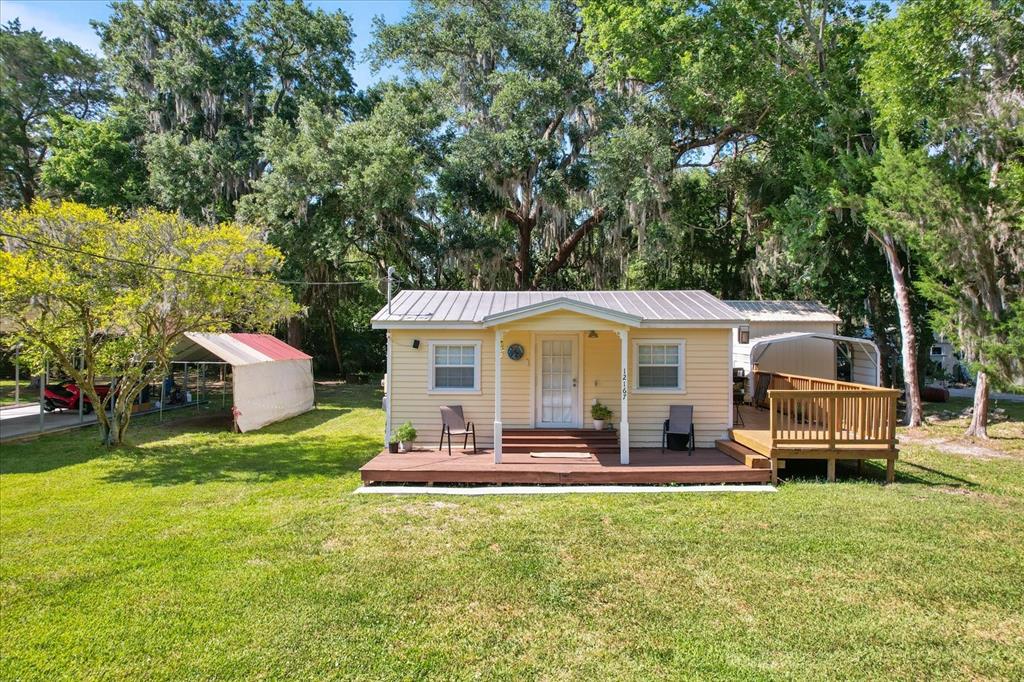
(499, 350)
(624, 405)
(387, 396)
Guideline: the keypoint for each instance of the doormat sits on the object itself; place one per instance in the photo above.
(560, 455)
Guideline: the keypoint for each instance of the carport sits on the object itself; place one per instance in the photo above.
(862, 354)
(271, 380)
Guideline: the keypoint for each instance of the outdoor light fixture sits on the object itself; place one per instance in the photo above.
(415, 343)
(745, 334)
(591, 334)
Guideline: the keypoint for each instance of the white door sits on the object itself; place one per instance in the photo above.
(557, 406)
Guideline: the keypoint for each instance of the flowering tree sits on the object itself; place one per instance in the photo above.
(96, 293)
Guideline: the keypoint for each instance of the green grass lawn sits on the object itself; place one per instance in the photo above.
(25, 394)
(196, 553)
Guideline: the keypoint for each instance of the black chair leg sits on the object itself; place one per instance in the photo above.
(474, 439)
(465, 440)
(440, 446)
(449, 443)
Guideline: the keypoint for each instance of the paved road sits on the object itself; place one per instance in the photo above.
(969, 393)
(16, 422)
(19, 421)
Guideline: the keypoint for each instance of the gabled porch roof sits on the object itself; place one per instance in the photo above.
(481, 309)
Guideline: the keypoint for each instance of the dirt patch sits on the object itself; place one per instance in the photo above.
(953, 446)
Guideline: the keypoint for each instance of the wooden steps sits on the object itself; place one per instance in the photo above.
(744, 455)
(580, 441)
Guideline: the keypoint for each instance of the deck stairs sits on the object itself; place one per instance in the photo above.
(744, 455)
(574, 441)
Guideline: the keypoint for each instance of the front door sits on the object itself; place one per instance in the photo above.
(558, 383)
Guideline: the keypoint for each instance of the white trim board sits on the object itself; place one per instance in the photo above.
(558, 489)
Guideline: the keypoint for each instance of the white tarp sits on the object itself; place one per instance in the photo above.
(271, 380)
(271, 391)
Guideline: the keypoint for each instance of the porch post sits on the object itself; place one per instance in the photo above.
(499, 348)
(387, 393)
(624, 405)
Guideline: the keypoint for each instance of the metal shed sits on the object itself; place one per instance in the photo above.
(862, 353)
(271, 380)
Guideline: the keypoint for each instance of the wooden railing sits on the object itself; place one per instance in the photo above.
(827, 413)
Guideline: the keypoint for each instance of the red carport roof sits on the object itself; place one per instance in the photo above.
(272, 347)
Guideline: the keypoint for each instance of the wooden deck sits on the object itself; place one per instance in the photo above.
(647, 466)
(755, 434)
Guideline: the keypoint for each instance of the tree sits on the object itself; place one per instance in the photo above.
(83, 287)
(948, 83)
(96, 162)
(521, 109)
(206, 77)
(40, 78)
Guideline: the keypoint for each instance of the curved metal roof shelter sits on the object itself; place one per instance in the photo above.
(868, 348)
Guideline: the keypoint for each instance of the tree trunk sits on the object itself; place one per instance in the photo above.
(979, 420)
(902, 295)
(295, 331)
(334, 341)
(522, 267)
(566, 248)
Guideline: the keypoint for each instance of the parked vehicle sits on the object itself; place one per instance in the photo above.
(64, 396)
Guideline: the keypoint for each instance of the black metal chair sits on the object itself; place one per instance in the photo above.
(679, 423)
(453, 423)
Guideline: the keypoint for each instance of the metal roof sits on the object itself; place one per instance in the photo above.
(419, 308)
(784, 311)
(234, 349)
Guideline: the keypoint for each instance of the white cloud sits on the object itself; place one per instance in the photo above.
(67, 20)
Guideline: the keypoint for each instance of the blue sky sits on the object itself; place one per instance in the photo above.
(69, 19)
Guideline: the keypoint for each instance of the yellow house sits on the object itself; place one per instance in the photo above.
(539, 360)
(526, 368)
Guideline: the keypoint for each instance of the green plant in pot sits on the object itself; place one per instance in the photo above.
(393, 443)
(600, 413)
(405, 434)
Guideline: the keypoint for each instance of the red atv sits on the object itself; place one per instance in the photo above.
(64, 396)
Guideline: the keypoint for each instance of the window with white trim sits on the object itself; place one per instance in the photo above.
(659, 365)
(455, 367)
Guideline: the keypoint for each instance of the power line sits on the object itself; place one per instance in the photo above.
(261, 280)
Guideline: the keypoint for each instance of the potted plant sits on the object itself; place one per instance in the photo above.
(393, 443)
(405, 434)
(599, 412)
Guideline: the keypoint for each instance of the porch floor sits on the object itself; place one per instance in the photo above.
(647, 466)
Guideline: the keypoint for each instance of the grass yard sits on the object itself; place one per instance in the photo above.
(196, 553)
(25, 393)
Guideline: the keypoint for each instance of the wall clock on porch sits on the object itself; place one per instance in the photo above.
(516, 351)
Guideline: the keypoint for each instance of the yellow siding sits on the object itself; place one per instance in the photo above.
(601, 367)
(707, 388)
(560, 321)
(411, 399)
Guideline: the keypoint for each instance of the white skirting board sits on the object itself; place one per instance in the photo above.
(556, 489)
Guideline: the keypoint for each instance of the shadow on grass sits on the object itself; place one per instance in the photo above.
(216, 454)
(241, 461)
(815, 470)
(279, 451)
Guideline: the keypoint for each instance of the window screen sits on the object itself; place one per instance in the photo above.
(455, 366)
(658, 365)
